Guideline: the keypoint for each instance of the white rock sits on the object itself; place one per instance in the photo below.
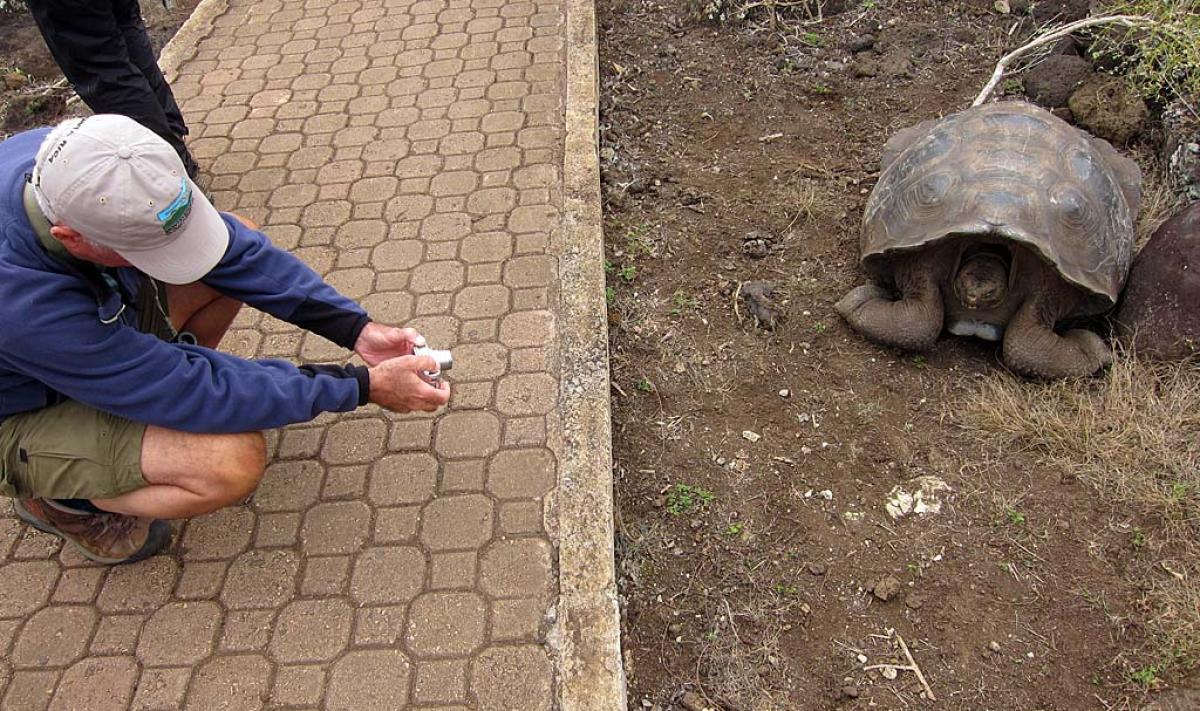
(751, 435)
(921, 496)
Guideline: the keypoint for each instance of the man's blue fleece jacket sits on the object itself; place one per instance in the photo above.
(55, 343)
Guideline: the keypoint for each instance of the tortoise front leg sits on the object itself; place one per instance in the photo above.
(912, 322)
(1031, 347)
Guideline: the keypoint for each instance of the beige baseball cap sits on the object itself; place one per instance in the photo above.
(121, 186)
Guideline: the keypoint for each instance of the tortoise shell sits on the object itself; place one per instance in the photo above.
(1013, 171)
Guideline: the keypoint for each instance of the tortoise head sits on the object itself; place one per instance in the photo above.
(981, 281)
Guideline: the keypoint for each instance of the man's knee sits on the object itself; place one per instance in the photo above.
(237, 469)
(247, 461)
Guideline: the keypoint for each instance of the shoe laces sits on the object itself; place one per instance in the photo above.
(111, 525)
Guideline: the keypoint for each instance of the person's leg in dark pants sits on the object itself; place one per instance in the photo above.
(91, 47)
(129, 18)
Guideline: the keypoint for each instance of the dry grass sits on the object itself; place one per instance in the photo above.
(1159, 202)
(1134, 436)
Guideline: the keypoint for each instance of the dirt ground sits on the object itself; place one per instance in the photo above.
(32, 89)
(753, 465)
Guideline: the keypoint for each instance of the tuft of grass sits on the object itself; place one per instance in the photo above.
(1162, 59)
(1134, 436)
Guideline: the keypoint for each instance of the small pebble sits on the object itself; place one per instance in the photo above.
(850, 692)
(886, 589)
(994, 646)
(785, 393)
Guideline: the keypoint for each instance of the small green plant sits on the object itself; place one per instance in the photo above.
(609, 267)
(610, 295)
(1012, 86)
(682, 302)
(1014, 517)
(1146, 677)
(735, 528)
(913, 568)
(919, 361)
(684, 498)
(644, 385)
(823, 89)
(812, 39)
(1138, 538)
(635, 241)
(1161, 58)
(786, 589)
(628, 272)
(820, 327)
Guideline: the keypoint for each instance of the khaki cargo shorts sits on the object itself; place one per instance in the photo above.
(71, 451)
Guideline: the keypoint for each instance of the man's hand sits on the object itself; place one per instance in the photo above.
(397, 385)
(378, 343)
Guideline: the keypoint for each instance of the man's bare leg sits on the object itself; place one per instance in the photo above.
(192, 474)
(202, 311)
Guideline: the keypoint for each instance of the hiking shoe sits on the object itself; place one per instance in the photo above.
(107, 538)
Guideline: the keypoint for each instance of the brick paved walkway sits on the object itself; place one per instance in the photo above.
(410, 152)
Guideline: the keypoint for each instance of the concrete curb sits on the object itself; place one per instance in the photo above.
(186, 40)
(588, 633)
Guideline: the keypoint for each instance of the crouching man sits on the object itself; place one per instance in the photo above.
(118, 279)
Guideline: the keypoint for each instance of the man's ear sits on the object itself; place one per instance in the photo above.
(65, 234)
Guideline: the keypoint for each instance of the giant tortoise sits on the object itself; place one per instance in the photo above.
(998, 222)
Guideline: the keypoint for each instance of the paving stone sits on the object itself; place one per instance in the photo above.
(517, 619)
(452, 570)
(30, 690)
(521, 517)
(311, 631)
(180, 633)
(289, 486)
(201, 581)
(161, 689)
(298, 685)
(325, 575)
(373, 680)
(462, 475)
(25, 586)
(356, 441)
(446, 624)
(376, 626)
(460, 435)
(219, 535)
(237, 683)
(247, 630)
(396, 525)
(344, 482)
(78, 584)
(487, 301)
(99, 684)
(140, 587)
(403, 479)
(260, 579)
(388, 575)
(117, 634)
(440, 681)
(521, 473)
(335, 528)
(505, 678)
(457, 522)
(54, 637)
(516, 568)
(527, 394)
(527, 328)
(277, 530)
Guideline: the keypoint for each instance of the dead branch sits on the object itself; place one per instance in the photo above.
(1047, 37)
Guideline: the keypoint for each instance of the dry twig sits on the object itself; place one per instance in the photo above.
(1002, 65)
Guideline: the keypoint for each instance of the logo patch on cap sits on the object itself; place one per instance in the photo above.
(172, 216)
